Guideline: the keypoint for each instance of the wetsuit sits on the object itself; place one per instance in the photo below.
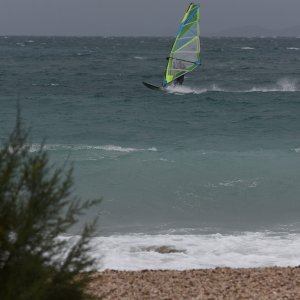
(179, 65)
(179, 80)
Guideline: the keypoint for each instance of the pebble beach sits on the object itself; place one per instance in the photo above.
(220, 283)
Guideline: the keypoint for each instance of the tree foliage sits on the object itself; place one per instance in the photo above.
(37, 208)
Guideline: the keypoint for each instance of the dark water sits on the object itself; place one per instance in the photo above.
(219, 155)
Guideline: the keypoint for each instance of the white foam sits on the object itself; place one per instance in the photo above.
(247, 48)
(123, 149)
(297, 150)
(138, 57)
(293, 48)
(230, 182)
(245, 183)
(282, 85)
(190, 90)
(250, 249)
(57, 147)
(253, 184)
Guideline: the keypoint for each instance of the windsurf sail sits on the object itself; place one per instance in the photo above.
(185, 53)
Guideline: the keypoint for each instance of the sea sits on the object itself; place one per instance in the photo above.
(203, 175)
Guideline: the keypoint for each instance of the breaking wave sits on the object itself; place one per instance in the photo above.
(247, 48)
(188, 251)
(297, 150)
(138, 57)
(113, 148)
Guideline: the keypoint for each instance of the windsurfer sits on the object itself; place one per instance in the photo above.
(178, 64)
(179, 80)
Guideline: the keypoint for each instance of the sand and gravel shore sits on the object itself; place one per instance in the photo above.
(220, 283)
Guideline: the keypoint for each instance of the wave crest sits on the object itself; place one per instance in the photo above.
(113, 148)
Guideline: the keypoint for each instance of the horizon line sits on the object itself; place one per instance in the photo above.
(144, 36)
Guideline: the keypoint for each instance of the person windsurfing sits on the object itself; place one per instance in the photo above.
(180, 66)
(179, 80)
(184, 55)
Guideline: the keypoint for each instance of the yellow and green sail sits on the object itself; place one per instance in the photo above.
(185, 53)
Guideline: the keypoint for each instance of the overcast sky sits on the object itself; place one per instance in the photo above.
(139, 17)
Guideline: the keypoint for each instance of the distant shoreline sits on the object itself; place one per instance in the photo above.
(220, 283)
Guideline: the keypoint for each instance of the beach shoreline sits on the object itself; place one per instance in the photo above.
(219, 283)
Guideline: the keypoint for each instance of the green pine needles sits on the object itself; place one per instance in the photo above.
(36, 208)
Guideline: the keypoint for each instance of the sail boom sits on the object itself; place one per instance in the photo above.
(188, 51)
(192, 62)
(178, 70)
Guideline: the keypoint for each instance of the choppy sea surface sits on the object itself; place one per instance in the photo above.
(210, 169)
